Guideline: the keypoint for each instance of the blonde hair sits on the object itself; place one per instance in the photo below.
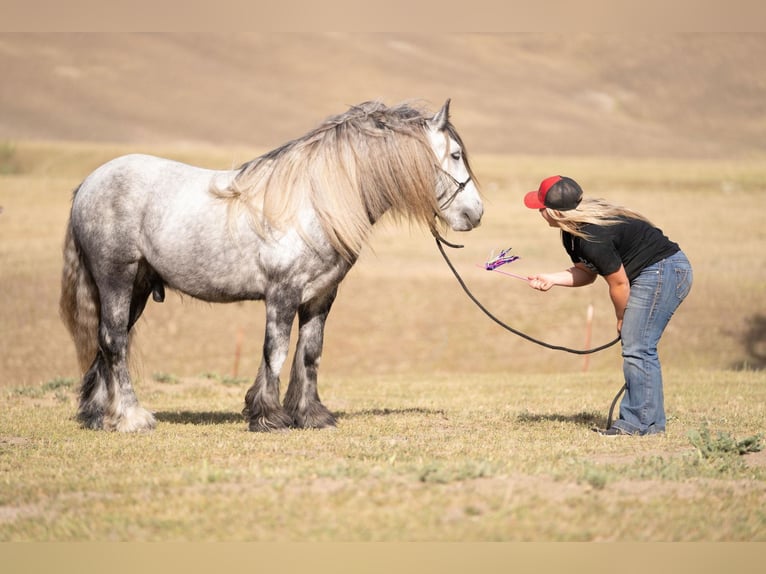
(593, 211)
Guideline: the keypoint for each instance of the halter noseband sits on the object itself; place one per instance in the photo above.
(460, 187)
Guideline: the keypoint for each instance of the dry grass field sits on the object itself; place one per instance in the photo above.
(450, 428)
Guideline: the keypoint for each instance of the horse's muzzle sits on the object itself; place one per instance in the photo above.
(470, 218)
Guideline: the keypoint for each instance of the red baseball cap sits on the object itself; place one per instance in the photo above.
(555, 192)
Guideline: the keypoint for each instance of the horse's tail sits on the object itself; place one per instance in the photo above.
(79, 303)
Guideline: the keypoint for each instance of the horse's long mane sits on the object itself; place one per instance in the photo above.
(349, 170)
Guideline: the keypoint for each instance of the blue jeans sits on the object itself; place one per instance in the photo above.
(654, 296)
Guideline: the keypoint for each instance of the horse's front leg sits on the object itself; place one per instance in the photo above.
(302, 399)
(262, 407)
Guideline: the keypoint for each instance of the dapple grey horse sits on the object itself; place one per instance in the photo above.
(284, 228)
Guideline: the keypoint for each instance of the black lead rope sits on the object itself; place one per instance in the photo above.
(440, 240)
(614, 402)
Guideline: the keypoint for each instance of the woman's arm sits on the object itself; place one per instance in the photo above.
(576, 276)
(619, 291)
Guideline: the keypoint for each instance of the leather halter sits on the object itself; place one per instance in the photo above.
(460, 187)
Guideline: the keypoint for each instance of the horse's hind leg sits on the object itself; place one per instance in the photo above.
(262, 407)
(107, 400)
(93, 395)
(302, 397)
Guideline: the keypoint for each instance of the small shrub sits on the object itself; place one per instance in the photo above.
(596, 477)
(58, 383)
(165, 378)
(722, 444)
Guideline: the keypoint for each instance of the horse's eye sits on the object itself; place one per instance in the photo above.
(457, 155)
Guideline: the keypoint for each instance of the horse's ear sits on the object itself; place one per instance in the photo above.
(441, 119)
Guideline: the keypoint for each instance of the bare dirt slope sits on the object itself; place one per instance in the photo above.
(663, 95)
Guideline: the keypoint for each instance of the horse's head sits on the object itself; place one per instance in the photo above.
(458, 197)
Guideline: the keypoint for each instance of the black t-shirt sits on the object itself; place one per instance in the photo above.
(633, 243)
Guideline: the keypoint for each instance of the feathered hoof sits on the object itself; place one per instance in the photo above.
(276, 422)
(133, 419)
(91, 420)
(316, 417)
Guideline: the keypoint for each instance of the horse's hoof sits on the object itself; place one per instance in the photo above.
(91, 421)
(281, 423)
(317, 417)
(134, 419)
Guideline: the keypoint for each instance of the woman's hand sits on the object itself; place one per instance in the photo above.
(576, 276)
(541, 282)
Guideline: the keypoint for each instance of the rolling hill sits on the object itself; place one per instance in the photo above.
(692, 95)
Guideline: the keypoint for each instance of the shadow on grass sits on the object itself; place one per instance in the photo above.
(199, 418)
(389, 412)
(221, 417)
(587, 419)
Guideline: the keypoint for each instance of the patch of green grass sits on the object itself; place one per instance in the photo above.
(713, 458)
(597, 477)
(443, 472)
(166, 378)
(684, 467)
(226, 379)
(723, 444)
(58, 386)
